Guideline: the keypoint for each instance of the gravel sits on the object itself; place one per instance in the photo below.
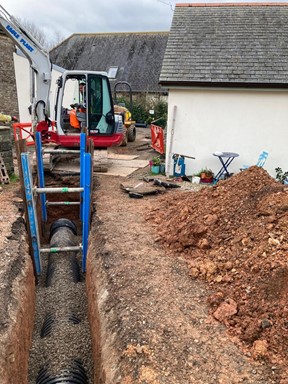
(68, 336)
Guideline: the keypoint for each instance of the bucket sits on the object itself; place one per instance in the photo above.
(179, 166)
(155, 169)
(162, 168)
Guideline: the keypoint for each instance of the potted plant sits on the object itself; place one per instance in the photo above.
(206, 175)
(155, 165)
(281, 176)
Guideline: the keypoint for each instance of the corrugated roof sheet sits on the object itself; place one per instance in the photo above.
(138, 56)
(212, 44)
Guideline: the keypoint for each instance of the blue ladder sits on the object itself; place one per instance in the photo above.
(85, 200)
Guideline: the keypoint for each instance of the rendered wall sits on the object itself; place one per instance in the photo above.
(22, 74)
(242, 121)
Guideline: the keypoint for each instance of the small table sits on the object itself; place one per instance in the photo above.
(226, 159)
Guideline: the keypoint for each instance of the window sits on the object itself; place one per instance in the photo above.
(112, 73)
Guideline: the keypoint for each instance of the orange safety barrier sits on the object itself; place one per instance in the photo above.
(24, 131)
(157, 138)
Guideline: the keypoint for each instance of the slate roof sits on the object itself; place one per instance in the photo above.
(237, 44)
(138, 56)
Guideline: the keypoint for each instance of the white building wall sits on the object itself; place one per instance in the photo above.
(22, 74)
(228, 120)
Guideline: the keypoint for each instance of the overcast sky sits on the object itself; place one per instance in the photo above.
(69, 16)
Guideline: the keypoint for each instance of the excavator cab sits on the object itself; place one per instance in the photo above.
(84, 100)
(89, 94)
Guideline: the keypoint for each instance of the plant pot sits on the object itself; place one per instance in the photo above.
(162, 168)
(207, 180)
(155, 169)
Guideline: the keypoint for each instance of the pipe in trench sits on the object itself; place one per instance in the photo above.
(63, 233)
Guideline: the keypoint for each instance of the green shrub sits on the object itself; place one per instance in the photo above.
(140, 110)
(280, 175)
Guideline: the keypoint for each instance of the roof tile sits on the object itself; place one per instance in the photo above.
(245, 43)
(137, 55)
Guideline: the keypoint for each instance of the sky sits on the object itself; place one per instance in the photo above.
(65, 17)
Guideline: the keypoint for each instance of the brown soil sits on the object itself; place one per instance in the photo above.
(189, 286)
(161, 312)
(16, 290)
(234, 237)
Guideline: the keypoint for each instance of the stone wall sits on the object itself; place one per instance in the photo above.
(8, 91)
(6, 150)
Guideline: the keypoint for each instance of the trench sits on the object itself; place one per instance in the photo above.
(61, 349)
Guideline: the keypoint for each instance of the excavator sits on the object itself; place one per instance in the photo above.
(94, 110)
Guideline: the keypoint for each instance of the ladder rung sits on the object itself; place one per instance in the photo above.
(61, 249)
(62, 151)
(63, 203)
(58, 190)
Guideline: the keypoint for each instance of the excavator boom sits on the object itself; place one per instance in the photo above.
(39, 62)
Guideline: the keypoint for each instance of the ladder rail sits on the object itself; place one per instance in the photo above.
(31, 209)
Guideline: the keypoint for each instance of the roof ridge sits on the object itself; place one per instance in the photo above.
(119, 33)
(231, 4)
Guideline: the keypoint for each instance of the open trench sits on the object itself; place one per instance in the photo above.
(148, 321)
(61, 349)
(135, 317)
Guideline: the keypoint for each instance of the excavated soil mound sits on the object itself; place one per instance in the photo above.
(234, 235)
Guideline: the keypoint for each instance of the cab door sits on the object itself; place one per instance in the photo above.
(100, 106)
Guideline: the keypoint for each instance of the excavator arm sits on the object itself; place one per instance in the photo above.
(40, 64)
(103, 126)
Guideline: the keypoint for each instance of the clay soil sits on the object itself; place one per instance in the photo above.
(190, 285)
(234, 238)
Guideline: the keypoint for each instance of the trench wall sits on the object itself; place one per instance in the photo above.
(105, 356)
(17, 292)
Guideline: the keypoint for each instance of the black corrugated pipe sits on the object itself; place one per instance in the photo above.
(75, 375)
(62, 351)
(62, 233)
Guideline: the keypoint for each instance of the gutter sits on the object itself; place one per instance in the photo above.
(222, 84)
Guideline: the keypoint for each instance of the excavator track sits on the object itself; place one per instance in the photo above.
(70, 164)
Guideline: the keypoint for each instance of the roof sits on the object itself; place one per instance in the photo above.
(238, 44)
(138, 56)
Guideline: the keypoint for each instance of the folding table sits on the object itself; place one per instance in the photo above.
(225, 159)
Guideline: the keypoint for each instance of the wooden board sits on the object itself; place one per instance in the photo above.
(120, 156)
(117, 171)
(130, 164)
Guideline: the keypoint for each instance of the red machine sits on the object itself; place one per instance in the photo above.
(88, 91)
